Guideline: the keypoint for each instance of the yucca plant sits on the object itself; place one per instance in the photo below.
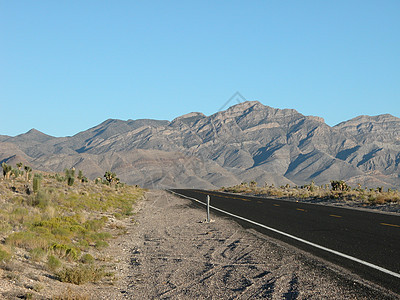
(28, 171)
(70, 175)
(37, 178)
(6, 170)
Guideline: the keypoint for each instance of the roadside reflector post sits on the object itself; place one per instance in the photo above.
(208, 208)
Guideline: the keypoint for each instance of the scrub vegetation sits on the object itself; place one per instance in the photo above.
(61, 221)
(337, 189)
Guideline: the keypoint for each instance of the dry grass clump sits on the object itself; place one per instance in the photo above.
(53, 263)
(59, 220)
(5, 254)
(81, 274)
(71, 295)
(336, 190)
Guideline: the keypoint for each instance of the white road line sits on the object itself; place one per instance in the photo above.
(298, 239)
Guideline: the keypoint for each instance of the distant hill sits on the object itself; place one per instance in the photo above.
(248, 141)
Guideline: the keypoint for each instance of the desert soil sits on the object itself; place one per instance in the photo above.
(169, 252)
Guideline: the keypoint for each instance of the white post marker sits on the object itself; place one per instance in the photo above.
(208, 208)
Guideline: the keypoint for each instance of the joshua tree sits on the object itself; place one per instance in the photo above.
(80, 174)
(19, 166)
(70, 175)
(28, 170)
(6, 170)
(339, 185)
(110, 177)
(253, 184)
(16, 172)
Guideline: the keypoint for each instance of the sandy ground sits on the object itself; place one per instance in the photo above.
(169, 252)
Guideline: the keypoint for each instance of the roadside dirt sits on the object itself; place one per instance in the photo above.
(169, 252)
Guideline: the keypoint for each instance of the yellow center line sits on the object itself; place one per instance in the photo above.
(225, 196)
(244, 199)
(335, 216)
(259, 202)
(276, 205)
(300, 209)
(392, 225)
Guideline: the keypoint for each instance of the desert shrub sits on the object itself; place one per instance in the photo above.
(40, 199)
(53, 263)
(28, 240)
(81, 274)
(66, 251)
(126, 210)
(4, 226)
(18, 215)
(87, 259)
(118, 216)
(83, 244)
(101, 244)
(71, 223)
(71, 295)
(101, 236)
(4, 254)
(95, 224)
(380, 199)
(60, 178)
(37, 254)
(37, 179)
(27, 296)
(18, 200)
(98, 239)
(37, 287)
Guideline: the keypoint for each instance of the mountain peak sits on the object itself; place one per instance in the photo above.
(33, 135)
(190, 115)
(189, 118)
(34, 131)
(384, 118)
(246, 105)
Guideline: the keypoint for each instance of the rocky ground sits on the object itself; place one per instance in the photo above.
(169, 252)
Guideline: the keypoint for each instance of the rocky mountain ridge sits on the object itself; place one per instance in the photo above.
(248, 141)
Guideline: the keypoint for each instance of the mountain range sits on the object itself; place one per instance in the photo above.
(248, 141)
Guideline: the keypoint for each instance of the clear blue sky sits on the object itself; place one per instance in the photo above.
(66, 66)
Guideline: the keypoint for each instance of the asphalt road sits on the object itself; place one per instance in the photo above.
(373, 238)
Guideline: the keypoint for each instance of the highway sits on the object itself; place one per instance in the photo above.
(366, 243)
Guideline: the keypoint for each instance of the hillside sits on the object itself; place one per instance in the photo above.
(248, 141)
(57, 234)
